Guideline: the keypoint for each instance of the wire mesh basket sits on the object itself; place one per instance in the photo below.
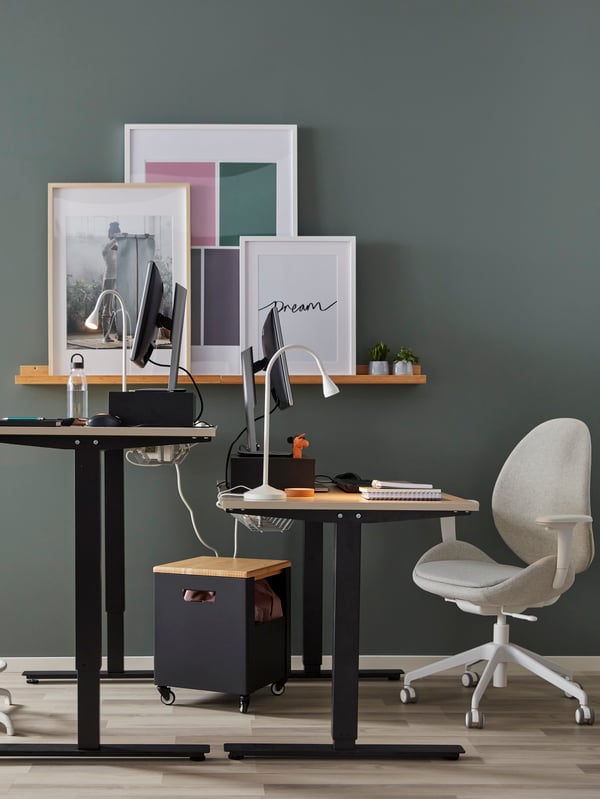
(264, 524)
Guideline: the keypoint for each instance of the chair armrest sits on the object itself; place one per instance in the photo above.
(563, 525)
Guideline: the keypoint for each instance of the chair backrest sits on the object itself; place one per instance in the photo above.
(548, 472)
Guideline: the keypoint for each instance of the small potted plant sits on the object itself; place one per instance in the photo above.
(378, 363)
(404, 361)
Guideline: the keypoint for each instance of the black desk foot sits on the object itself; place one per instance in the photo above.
(357, 752)
(110, 751)
(33, 677)
(363, 674)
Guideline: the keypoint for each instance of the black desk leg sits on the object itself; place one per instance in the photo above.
(344, 720)
(114, 577)
(88, 592)
(114, 560)
(114, 569)
(312, 602)
(346, 613)
(312, 613)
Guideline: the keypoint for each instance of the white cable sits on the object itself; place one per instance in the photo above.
(235, 537)
(191, 512)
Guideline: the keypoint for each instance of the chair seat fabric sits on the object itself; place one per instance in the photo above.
(460, 571)
(466, 573)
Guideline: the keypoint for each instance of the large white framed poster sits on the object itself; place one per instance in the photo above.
(107, 232)
(312, 282)
(243, 181)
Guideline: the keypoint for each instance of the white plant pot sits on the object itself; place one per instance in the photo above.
(403, 368)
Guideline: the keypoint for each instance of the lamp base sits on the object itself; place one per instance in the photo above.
(264, 493)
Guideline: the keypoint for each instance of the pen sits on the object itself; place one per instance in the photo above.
(23, 418)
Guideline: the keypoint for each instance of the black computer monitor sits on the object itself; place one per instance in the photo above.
(151, 319)
(249, 388)
(177, 317)
(272, 340)
(147, 324)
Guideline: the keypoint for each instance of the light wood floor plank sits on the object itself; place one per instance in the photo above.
(531, 747)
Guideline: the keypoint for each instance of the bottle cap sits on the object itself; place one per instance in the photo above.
(77, 364)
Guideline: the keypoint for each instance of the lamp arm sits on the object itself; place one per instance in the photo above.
(113, 293)
(266, 427)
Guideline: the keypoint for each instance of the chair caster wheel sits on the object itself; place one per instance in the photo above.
(584, 715)
(469, 678)
(244, 703)
(278, 688)
(474, 719)
(167, 697)
(408, 695)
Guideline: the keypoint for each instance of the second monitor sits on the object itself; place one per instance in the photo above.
(156, 407)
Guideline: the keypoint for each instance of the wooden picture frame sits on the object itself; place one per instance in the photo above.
(92, 225)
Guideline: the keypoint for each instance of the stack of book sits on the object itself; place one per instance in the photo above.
(394, 489)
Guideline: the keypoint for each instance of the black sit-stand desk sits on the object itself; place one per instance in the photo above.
(347, 512)
(99, 485)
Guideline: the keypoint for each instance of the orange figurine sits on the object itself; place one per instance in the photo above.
(298, 444)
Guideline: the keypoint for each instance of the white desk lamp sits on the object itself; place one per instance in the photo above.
(92, 323)
(265, 492)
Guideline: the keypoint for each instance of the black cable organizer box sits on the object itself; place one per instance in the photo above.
(153, 407)
(246, 469)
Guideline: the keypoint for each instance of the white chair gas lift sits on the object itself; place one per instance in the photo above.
(4, 719)
(541, 508)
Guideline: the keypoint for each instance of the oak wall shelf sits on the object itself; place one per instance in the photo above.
(38, 376)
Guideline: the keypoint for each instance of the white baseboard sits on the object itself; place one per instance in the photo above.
(575, 663)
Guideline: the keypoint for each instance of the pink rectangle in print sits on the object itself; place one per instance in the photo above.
(203, 202)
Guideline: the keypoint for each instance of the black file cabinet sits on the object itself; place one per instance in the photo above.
(217, 645)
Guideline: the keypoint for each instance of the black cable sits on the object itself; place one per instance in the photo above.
(237, 438)
(183, 369)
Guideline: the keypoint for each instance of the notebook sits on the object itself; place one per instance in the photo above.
(369, 492)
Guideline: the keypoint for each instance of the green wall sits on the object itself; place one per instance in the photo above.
(457, 139)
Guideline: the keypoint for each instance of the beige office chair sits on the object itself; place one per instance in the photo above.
(4, 719)
(541, 507)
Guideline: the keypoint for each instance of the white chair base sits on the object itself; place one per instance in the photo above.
(498, 654)
(4, 719)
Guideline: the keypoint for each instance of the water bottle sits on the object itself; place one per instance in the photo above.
(77, 391)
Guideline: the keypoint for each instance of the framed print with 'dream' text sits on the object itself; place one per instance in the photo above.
(311, 281)
(101, 236)
(243, 182)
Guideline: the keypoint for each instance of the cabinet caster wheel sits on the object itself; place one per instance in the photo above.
(584, 715)
(167, 697)
(277, 688)
(408, 695)
(469, 679)
(474, 719)
(244, 703)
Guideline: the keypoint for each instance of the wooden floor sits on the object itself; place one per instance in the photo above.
(531, 746)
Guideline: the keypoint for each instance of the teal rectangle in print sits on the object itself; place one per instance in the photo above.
(247, 201)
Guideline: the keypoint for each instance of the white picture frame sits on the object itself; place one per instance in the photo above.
(153, 221)
(312, 280)
(228, 167)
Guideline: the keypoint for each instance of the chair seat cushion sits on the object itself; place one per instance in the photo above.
(458, 570)
(467, 573)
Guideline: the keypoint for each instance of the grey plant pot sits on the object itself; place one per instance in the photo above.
(379, 368)
(403, 368)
